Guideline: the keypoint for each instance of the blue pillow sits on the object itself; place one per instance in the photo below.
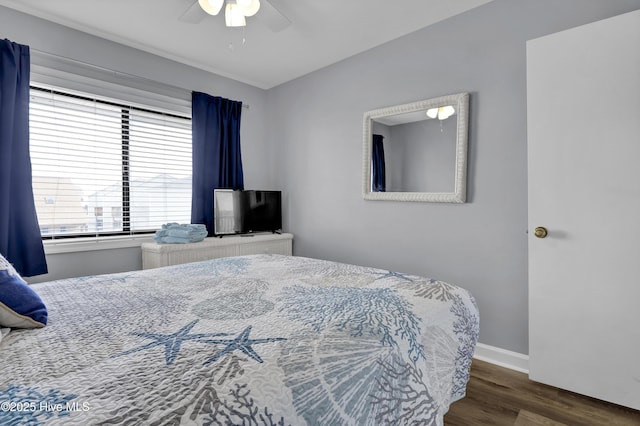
(20, 306)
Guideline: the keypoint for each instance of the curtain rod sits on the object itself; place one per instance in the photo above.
(118, 73)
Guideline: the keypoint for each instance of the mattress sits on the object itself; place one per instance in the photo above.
(249, 340)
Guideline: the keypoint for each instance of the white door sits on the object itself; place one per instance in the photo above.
(583, 108)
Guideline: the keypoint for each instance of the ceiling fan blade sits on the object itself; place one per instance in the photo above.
(194, 14)
(272, 16)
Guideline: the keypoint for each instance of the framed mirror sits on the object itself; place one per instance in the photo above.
(417, 151)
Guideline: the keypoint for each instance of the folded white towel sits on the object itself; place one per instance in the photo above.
(175, 233)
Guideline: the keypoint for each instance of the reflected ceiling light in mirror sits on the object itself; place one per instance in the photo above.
(442, 113)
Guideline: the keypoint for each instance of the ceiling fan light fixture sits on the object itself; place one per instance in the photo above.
(212, 7)
(248, 7)
(233, 15)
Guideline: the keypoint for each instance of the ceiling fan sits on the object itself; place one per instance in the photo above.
(267, 12)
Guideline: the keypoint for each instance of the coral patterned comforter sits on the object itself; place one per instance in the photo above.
(252, 340)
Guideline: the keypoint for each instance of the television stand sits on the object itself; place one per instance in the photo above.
(155, 255)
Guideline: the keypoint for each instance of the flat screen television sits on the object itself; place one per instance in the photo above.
(262, 211)
(244, 212)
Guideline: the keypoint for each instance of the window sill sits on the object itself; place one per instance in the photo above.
(72, 245)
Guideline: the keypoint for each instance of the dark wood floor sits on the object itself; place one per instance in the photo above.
(499, 396)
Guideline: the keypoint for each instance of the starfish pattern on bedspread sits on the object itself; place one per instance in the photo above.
(171, 342)
(241, 343)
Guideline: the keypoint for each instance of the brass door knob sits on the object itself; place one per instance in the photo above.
(540, 232)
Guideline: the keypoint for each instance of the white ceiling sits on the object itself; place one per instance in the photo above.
(321, 32)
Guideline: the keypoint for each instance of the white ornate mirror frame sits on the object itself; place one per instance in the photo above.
(461, 101)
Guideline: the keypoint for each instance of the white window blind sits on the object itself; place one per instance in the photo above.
(102, 167)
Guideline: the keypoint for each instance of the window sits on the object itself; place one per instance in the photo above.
(102, 167)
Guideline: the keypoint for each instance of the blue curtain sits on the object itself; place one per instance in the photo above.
(217, 162)
(20, 240)
(378, 168)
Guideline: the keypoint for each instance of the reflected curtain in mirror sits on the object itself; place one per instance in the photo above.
(377, 165)
(20, 240)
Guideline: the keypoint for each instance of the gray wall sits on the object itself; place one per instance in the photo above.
(480, 245)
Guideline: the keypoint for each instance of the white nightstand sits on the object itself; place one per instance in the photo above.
(155, 255)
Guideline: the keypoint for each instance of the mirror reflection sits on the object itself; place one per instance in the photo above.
(417, 151)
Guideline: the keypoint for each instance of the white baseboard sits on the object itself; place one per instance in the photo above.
(502, 357)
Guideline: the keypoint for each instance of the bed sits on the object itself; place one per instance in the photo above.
(249, 340)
